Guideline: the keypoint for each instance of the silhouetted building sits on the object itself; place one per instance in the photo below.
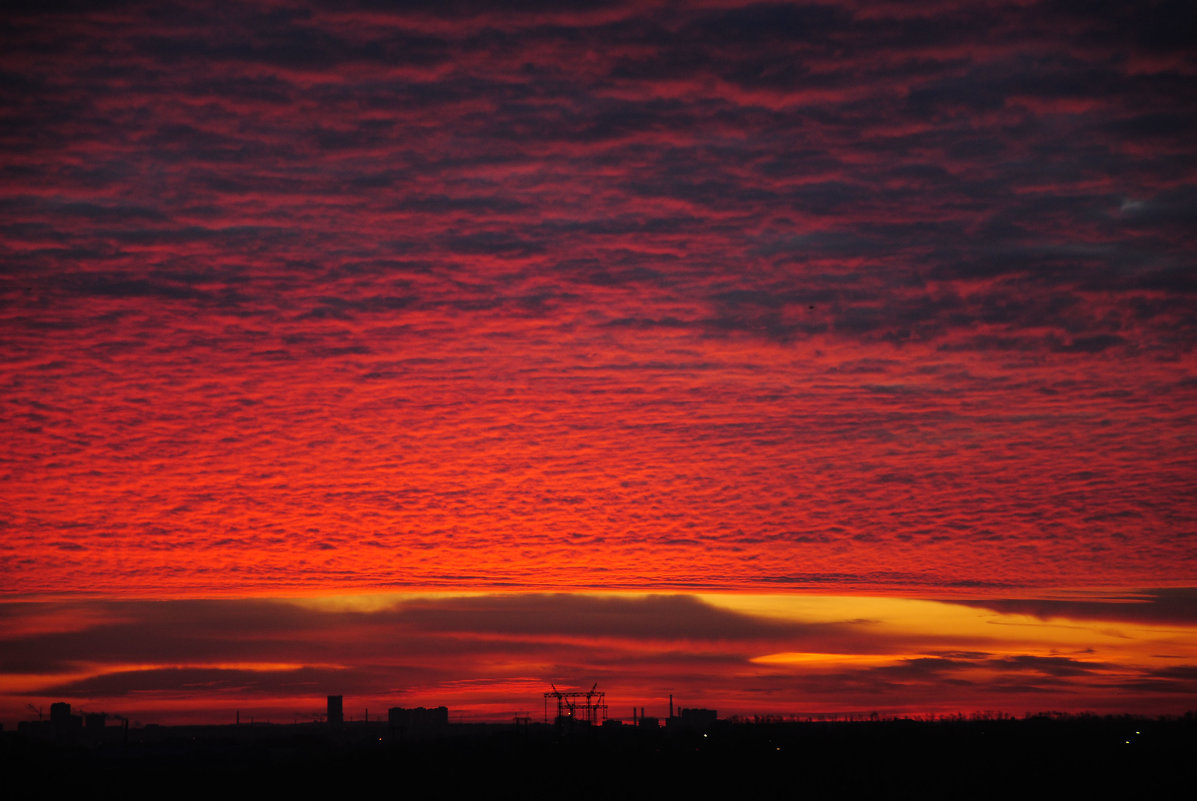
(336, 711)
(699, 720)
(35, 728)
(417, 722)
(64, 724)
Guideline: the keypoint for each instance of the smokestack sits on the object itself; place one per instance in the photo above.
(671, 705)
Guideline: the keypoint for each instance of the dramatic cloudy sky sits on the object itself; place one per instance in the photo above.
(850, 298)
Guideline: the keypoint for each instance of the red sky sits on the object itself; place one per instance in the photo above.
(820, 301)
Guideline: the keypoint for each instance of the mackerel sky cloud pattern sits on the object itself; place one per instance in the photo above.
(848, 296)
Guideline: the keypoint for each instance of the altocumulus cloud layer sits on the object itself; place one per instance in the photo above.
(706, 295)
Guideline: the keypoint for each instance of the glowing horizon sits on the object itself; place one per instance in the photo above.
(490, 656)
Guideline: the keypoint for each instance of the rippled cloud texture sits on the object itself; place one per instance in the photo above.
(705, 295)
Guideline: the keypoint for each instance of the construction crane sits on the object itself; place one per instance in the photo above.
(35, 709)
(591, 705)
(564, 701)
(590, 696)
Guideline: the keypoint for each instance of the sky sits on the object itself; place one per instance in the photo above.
(791, 358)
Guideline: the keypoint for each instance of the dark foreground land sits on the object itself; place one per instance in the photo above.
(1104, 757)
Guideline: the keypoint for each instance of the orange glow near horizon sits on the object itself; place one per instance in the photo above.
(490, 656)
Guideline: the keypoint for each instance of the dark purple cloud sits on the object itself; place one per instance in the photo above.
(1176, 605)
